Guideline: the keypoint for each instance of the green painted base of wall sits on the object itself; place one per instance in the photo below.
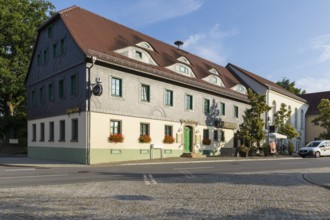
(99, 156)
(116, 155)
(72, 155)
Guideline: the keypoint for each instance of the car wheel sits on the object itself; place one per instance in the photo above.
(303, 156)
(317, 154)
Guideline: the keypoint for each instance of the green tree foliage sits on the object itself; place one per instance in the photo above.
(19, 21)
(324, 118)
(281, 122)
(251, 130)
(290, 86)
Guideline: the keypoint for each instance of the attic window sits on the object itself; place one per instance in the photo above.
(241, 89)
(145, 45)
(213, 80)
(138, 55)
(184, 60)
(183, 69)
(214, 71)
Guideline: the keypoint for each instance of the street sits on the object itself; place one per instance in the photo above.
(255, 189)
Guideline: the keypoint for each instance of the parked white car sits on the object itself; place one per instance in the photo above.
(316, 149)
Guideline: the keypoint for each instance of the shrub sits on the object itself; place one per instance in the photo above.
(291, 148)
(116, 138)
(206, 141)
(168, 139)
(145, 139)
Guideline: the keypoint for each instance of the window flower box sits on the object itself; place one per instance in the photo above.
(116, 138)
(168, 139)
(145, 139)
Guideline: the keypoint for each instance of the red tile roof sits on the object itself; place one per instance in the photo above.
(96, 35)
(266, 83)
(313, 99)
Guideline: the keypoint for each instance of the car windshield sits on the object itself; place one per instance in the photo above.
(313, 144)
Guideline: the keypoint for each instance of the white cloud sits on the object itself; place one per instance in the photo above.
(317, 84)
(209, 44)
(158, 10)
(322, 44)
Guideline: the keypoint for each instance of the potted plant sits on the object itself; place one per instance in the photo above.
(168, 139)
(116, 138)
(145, 139)
(206, 141)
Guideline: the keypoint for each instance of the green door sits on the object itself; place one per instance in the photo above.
(187, 139)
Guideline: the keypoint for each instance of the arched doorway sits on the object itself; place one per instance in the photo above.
(188, 139)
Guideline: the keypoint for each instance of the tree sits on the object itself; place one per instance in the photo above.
(251, 130)
(290, 86)
(281, 122)
(19, 20)
(324, 118)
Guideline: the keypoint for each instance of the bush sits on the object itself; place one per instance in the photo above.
(206, 141)
(291, 148)
(145, 139)
(266, 149)
(168, 139)
(116, 138)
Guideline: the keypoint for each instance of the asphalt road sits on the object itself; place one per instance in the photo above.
(12, 176)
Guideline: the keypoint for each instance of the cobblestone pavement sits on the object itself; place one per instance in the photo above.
(254, 195)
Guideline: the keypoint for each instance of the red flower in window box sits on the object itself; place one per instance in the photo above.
(168, 139)
(206, 141)
(116, 138)
(145, 139)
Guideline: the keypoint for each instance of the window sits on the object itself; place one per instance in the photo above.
(189, 102)
(39, 59)
(74, 129)
(61, 88)
(50, 92)
(222, 108)
(302, 119)
(115, 127)
(236, 111)
(222, 134)
(144, 129)
(73, 85)
(206, 134)
(116, 87)
(34, 132)
(138, 55)
(50, 31)
(46, 56)
(206, 106)
(296, 118)
(62, 130)
(184, 70)
(51, 131)
(145, 93)
(62, 46)
(216, 135)
(213, 80)
(41, 95)
(55, 50)
(42, 131)
(168, 130)
(168, 97)
(34, 99)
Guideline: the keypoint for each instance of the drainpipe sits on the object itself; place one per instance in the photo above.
(89, 94)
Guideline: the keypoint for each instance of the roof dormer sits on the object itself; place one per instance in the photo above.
(137, 54)
(183, 60)
(182, 69)
(215, 80)
(240, 88)
(145, 45)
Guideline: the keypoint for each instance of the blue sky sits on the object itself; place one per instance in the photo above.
(275, 39)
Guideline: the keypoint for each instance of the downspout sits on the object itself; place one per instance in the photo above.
(89, 94)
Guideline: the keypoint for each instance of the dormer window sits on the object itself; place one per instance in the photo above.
(184, 60)
(213, 80)
(214, 71)
(138, 55)
(241, 89)
(183, 69)
(145, 45)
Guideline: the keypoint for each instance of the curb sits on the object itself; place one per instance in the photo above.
(305, 176)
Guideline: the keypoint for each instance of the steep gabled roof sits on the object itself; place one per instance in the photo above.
(313, 99)
(96, 35)
(266, 83)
